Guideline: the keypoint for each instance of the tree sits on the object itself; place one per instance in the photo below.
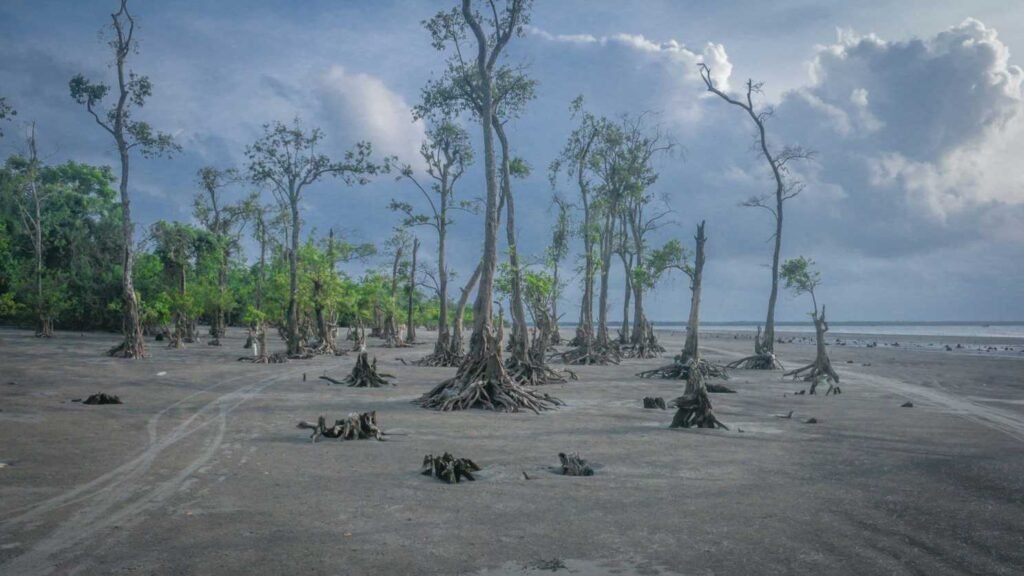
(128, 134)
(556, 253)
(30, 197)
(482, 380)
(410, 322)
(802, 278)
(6, 112)
(286, 158)
(786, 188)
(576, 160)
(447, 153)
(690, 358)
(177, 246)
(225, 223)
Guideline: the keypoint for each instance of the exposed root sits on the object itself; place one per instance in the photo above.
(597, 352)
(694, 407)
(644, 345)
(448, 468)
(354, 427)
(573, 465)
(764, 361)
(652, 402)
(364, 374)
(680, 368)
(483, 382)
(102, 398)
(531, 373)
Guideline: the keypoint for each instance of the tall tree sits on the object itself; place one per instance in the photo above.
(410, 321)
(482, 380)
(224, 222)
(786, 187)
(446, 153)
(176, 246)
(286, 158)
(802, 278)
(128, 134)
(30, 197)
(557, 251)
(577, 161)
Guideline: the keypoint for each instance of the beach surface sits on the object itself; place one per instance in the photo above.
(202, 471)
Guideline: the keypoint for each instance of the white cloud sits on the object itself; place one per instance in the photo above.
(363, 107)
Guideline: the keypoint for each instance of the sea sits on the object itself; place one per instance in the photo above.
(937, 329)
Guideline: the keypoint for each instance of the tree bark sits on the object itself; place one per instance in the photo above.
(410, 326)
(520, 340)
(294, 345)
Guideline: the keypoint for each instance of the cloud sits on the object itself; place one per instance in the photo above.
(675, 65)
(363, 107)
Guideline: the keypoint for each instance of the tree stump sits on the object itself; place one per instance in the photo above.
(364, 374)
(573, 465)
(651, 403)
(448, 468)
(357, 426)
(694, 406)
(102, 398)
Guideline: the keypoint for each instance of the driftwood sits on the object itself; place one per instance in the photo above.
(654, 402)
(573, 465)
(448, 468)
(102, 398)
(364, 374)
(354, 427)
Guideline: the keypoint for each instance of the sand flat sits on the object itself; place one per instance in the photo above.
(201, 471)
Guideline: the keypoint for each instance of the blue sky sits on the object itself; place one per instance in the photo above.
(914, 207)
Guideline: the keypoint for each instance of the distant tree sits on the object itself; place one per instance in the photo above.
(286, 158)
(6, 112)
(224, 222)
(128, 134)
(557, 251)
(802, 278)
(447, 153)
(31, 195)
(786, 187)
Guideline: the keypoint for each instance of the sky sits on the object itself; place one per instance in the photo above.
(913, 207)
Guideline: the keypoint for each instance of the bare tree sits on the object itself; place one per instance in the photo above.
(128, 134)
(410, 323)
(287, 159)
(786, 187)
(482, 380)
(30, 197)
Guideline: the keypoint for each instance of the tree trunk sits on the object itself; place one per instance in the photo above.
(293, 276)
(520, 340)
(692, 346)
(441, 346)
(455, 345)
(133, 345)
(410, 326)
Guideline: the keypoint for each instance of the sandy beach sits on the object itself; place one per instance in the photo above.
(201, 470)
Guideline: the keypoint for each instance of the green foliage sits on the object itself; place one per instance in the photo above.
(800, 275)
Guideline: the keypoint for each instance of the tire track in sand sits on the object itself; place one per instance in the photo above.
(121, 495)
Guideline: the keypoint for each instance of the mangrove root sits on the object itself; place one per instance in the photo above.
(355, 427)
(364, 374)
(573, 465)
(448, 468)
(102, 398)
(654, 402)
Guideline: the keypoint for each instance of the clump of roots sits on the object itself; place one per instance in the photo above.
(573, 465)
(445, 355)
(448, 468)
(364, 374)
(645, 345)
(763, 358)
(102, 398)
(652, 402)
(357, 426)
(693, 409)
(602, 351)
(680, 368)
(483, 382)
